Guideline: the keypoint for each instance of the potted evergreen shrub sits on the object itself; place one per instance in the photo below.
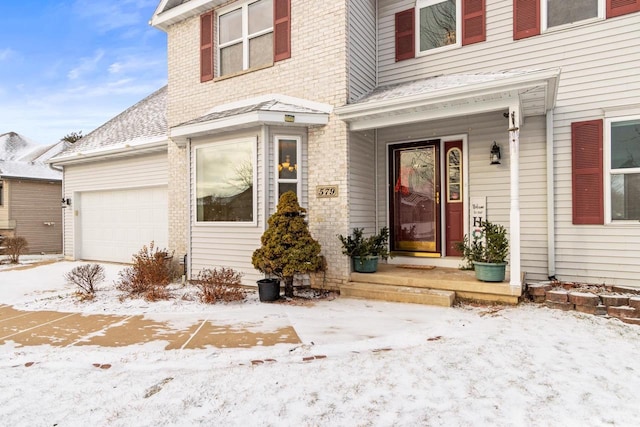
(366, 251)
(287, 246)
(487, 253)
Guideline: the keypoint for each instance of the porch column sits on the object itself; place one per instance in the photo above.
(514, 216)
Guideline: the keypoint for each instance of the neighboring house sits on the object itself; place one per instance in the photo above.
(115, 185)
(30, 193)
(387, 112)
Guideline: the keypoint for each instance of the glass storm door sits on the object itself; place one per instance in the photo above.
(415, 197)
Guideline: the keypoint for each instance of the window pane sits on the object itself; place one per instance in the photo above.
(561, 12)
(288, 186)
(230, 26)
(625, 196)
(231, 59)
(287, 158)
(625, 144)
(438, 25)
(260, 16)
(261, 50)
(224, 182)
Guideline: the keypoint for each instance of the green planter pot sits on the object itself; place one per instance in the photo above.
(490, 272)
(268, 289)
(367, 264)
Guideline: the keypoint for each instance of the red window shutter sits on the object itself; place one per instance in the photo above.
(526, 18)
(405, 35)
(206, 47)
(622, 7)
(586, 169)
(281, 30)
(473, 21)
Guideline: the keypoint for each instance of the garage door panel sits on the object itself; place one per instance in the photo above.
(115, 224)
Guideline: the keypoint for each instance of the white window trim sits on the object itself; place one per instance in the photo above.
(245, 34)
(606, 158)
(544, 21)
(424, 3)
(194, 196)
(277, 180)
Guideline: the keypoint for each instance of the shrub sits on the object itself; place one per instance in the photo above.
(151, 272)
(222, 284)
(14, 247)
(86, 277)
(287, 245)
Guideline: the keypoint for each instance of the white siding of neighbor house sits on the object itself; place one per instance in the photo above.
(491, 181)
(147, 170)
(228, 245)
(4, 209)
(599, 74)
(362, 47)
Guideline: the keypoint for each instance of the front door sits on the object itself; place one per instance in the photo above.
(415, 198)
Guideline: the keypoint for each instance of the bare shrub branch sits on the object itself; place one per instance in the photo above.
(85, 277)
(217, 285)
(151, 272)
(14, 247)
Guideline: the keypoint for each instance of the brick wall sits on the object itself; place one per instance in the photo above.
(316, 71)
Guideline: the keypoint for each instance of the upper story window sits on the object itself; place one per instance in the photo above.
(624, 168)
(434, 25)
(438, 24)
(245, 37)
(556, 13)
(530, 17)
(248, 34)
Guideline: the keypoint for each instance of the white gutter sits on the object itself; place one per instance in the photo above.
(105, 152)
(507, 84)
(551, 237)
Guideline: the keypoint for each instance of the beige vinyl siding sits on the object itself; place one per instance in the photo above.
(362, 47)
(35, 207)
(599, 73)
(362, 181)
(148, 170)
(488, 180)
(228, 245)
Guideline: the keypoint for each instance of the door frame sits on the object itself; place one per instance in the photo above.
(465, 186)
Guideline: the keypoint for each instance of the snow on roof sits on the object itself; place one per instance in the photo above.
(21, 157)
(14, 146)
(144, 121)
(30, 170)
(436, 83)
(270, 105)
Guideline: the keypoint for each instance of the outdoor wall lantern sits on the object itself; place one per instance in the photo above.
(495, 154)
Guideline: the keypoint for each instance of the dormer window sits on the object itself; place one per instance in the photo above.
(245, 35)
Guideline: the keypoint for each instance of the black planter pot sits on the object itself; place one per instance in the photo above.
(268, 289)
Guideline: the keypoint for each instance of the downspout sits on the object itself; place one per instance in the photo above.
(375, 180)
(551, 222)
(187, 261)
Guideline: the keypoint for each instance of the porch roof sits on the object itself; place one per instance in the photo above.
(533, 91)
(272, 109)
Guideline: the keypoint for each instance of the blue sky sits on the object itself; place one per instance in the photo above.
(71, 65)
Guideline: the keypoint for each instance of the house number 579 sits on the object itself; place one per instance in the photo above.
(326, 191)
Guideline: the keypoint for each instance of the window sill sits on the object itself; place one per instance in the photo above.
(243, 72)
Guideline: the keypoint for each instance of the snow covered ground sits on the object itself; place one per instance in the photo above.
(386, 364)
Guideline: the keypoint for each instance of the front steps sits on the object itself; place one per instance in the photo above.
(398, 294)
(440, 286)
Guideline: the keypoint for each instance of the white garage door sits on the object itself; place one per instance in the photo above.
(115, 224)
